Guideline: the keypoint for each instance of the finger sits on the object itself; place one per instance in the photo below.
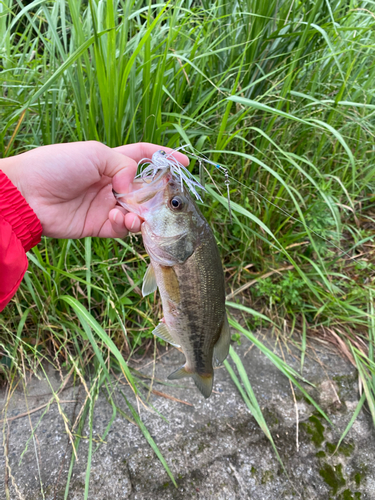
(133, 222)
(111, 163)
(142, 150)
(117, 220)
(122, 222)
(124, 173)
(107, 231)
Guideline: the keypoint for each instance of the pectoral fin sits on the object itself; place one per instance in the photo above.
(221, 348)
(163, 333)
(204, 383)
(149, 281)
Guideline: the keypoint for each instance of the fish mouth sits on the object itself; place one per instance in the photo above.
(144, 193)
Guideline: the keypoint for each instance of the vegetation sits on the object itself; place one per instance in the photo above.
(280, 93)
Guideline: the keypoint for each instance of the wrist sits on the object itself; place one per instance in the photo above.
(9, 167)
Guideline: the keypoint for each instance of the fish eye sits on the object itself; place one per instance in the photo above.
(176, 203)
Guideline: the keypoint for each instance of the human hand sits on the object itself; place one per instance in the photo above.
(69, 186)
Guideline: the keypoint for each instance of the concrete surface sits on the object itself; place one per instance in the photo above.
(214, 448)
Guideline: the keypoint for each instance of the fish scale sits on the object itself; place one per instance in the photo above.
(202, 304)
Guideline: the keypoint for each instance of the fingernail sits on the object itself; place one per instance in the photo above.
(133, 223)
(114, 216)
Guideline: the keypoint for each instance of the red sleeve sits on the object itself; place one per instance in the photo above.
(20, 230)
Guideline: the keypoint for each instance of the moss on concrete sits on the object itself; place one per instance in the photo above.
(348, 495)
(345, 449)
(316, 430)
(267, 477)
(332, 475)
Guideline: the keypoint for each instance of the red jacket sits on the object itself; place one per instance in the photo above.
(20, 230)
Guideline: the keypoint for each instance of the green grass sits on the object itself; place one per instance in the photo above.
(279, 92)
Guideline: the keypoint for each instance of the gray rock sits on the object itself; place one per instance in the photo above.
(214, 448)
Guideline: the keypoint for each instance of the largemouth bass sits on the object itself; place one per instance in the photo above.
(186, 267)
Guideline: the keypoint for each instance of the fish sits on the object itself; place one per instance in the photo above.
(185, 266)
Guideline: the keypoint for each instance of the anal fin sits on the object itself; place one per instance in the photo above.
(149, 281)
(221, 348)
(163, 333)
(179, 373)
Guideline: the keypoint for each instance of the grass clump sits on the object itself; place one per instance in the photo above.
(278, 92)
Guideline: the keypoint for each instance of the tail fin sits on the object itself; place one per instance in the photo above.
(204, 383)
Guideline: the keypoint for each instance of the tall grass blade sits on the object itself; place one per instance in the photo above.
(249, 397)
(149, 439)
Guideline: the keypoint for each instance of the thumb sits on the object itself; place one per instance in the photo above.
(120, 168)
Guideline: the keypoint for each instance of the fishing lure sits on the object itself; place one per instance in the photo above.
(218, 167)
(160, 159)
